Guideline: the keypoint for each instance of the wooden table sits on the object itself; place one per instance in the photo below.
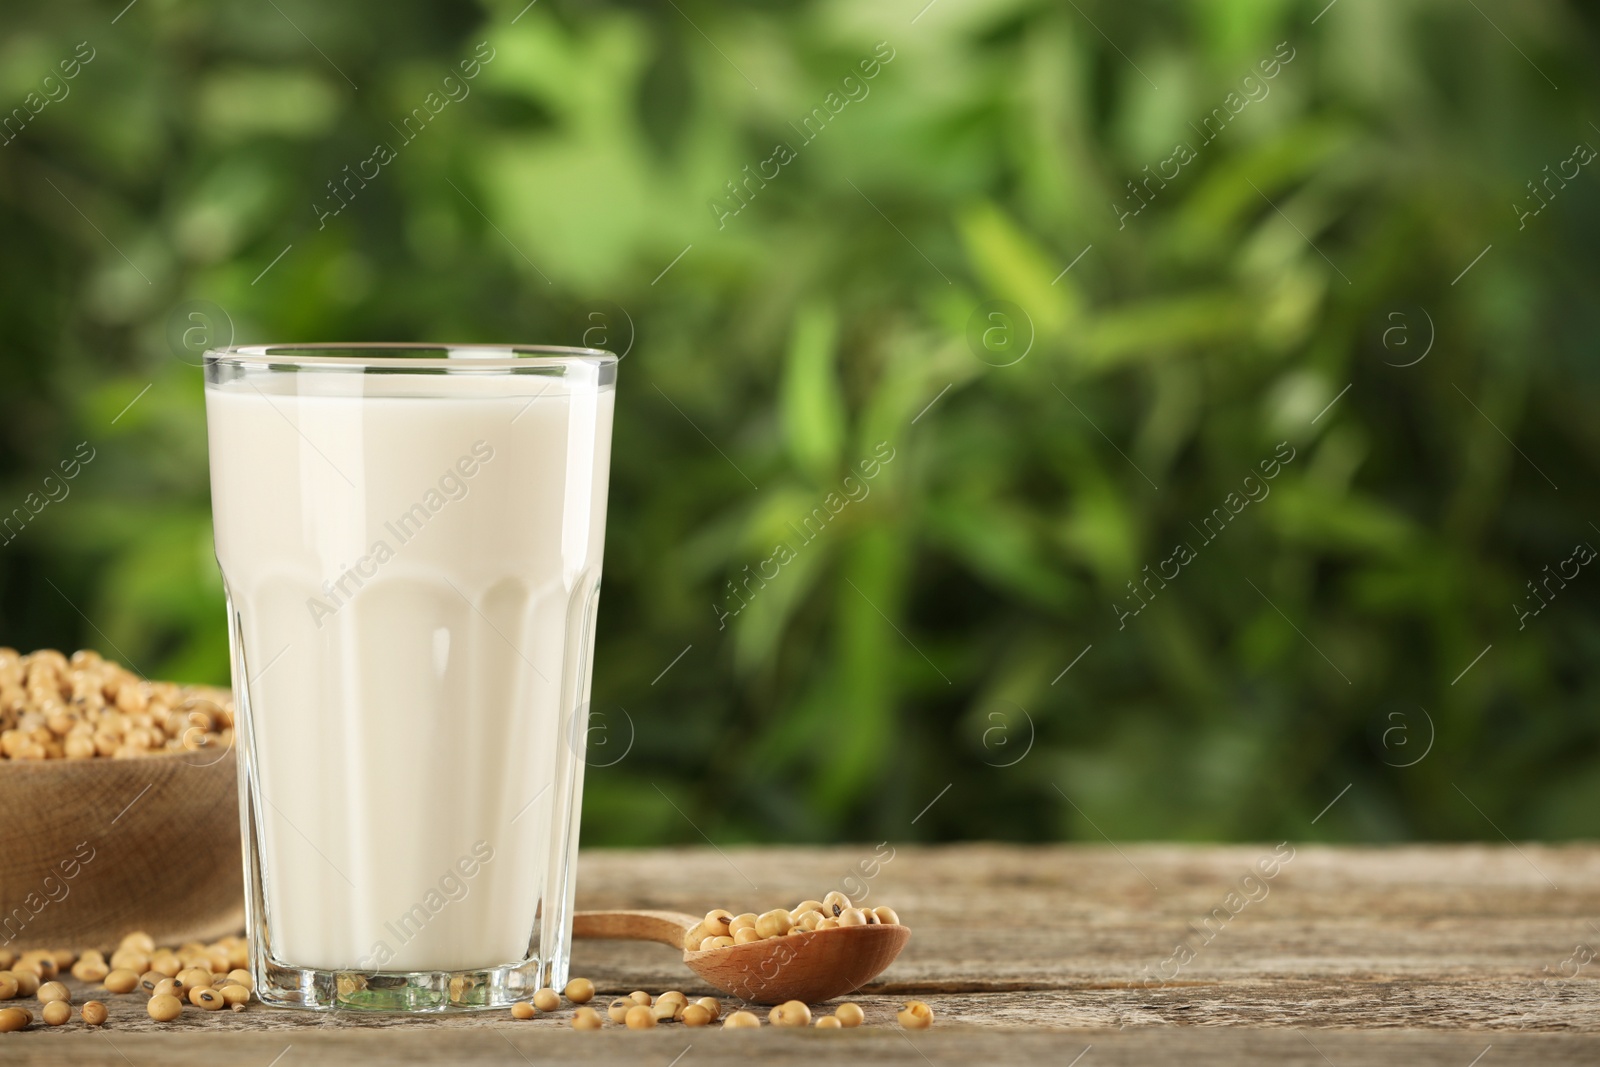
(1420, 955)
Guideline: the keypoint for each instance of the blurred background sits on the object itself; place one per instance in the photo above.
(1229, 369)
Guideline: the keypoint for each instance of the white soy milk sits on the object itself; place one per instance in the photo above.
(413, 578)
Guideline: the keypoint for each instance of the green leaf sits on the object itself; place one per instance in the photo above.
(811, 402)
(1152, 329)
(1015, 268)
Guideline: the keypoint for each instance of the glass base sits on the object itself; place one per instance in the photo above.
(416, 991)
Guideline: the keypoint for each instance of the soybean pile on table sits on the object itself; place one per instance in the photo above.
(206, 977)
(640, 1011)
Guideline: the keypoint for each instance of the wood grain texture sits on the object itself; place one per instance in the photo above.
(1030, 954)
(94, 848)
(662, 927)
(519, 1046)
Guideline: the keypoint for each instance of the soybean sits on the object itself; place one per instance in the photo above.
(790, 1013)
(42, 964)
(206, 998)
(138, 941)
(121, 980)
(91, 968)
(700, 931)
(164, 1007)
(915, 1015)
(803, 907)
(191, 977)
(131, 960)
(774, 923)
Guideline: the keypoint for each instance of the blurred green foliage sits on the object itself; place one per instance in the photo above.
(922, 639)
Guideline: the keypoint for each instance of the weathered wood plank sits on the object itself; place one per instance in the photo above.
(1039, 951)
(512, 1047)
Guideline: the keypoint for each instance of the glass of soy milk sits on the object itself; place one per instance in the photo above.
(410, 537)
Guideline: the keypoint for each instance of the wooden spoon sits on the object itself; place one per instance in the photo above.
(809, 967)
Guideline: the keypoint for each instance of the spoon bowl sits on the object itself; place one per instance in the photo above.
(809, 967)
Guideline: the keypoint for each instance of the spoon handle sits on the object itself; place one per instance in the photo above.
(667, 927)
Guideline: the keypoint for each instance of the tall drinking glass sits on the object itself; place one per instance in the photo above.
(410, 538)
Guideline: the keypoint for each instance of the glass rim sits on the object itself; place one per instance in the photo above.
(405, 355)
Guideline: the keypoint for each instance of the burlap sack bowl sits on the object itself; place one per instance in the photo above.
(91, 849)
